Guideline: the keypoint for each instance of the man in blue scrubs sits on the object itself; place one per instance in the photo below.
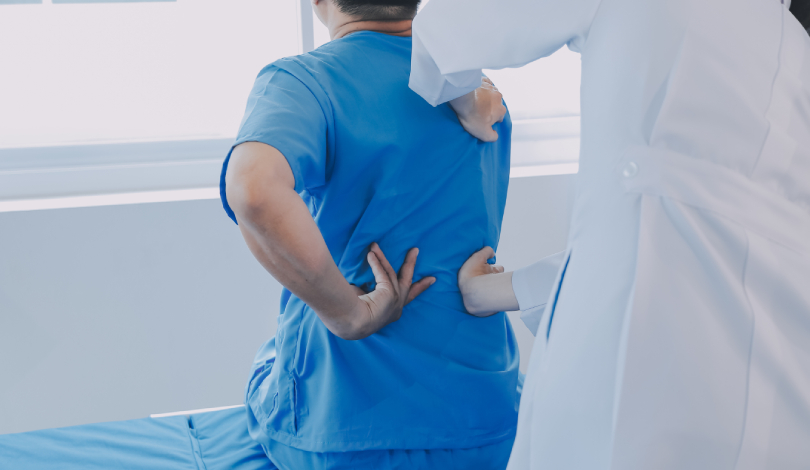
(336, 154)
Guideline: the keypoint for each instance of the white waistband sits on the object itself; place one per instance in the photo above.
(715, 188)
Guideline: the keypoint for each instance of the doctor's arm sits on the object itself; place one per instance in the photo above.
(282, 235)
(487, 289)
(453, 41)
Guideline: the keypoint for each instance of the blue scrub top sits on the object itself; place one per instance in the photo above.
(375, 162)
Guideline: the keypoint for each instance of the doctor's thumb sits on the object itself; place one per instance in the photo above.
(484, 254)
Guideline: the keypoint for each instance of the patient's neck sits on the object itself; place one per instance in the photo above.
(400, 27)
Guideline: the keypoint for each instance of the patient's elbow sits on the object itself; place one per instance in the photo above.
(350, 334)
(352, 331)
(353, 328)
(244, 198)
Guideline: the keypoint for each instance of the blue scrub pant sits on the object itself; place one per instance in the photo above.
(491, 457)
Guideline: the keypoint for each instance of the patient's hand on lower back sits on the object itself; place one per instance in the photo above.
(480, 109)
(485, 288)
(393, 291)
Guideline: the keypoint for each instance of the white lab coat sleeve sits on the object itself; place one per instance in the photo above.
(454, 39)
(533, 286)
(432, 85)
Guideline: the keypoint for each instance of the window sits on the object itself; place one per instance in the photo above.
(101, 97)
(90, 71)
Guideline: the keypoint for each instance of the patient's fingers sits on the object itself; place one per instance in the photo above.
(406, 271)
(419, 287)
(392, 275)
(380, 275)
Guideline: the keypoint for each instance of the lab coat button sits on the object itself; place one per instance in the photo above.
(630, 170)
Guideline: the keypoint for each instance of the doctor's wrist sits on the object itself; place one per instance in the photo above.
(488, 294)
(474, 294)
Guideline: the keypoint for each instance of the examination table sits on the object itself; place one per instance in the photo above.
(216, 440)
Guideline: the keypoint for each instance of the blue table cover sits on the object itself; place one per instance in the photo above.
(208, 441)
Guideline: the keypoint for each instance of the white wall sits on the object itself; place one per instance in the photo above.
(535, 225)
(111, 313)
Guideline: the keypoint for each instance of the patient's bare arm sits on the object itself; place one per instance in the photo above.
(282, 235)
(486, 288)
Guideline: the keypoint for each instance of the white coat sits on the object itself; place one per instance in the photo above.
(677, 335)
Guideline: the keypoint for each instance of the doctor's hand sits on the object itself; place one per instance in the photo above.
(394, 291)
(480, 109)
(485, 288)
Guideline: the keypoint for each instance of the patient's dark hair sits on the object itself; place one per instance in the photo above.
(801, 9)
(379, 9)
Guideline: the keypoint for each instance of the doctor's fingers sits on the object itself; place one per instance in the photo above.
(493, 111)
(483, 254)
(498, 108)
(488, 135)
(501, 111)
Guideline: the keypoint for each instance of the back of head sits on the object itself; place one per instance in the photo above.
(379, 10)
(801, 9)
